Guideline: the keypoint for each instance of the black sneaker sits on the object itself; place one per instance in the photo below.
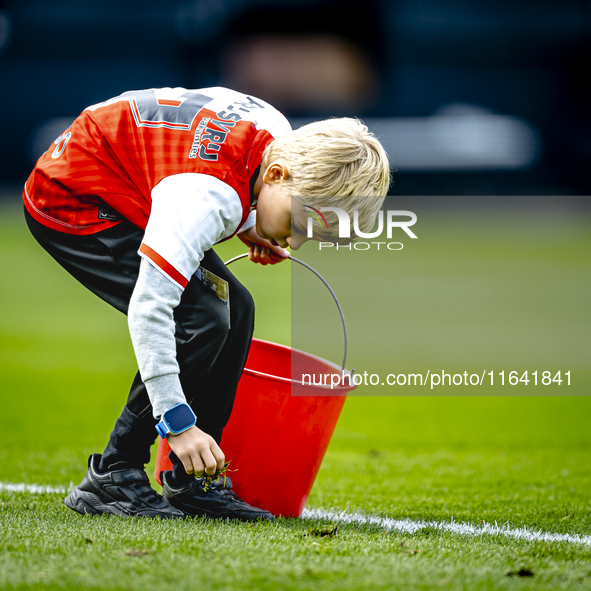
(124, 492)
(218, 502)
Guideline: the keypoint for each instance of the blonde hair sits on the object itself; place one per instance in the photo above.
(335, 163)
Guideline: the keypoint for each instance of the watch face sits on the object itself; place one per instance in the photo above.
(179, 417)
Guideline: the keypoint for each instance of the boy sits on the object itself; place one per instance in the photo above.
(130, 200)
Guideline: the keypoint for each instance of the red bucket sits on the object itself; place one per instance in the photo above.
(279, 429)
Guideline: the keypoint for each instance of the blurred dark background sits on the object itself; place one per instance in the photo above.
(469, 98)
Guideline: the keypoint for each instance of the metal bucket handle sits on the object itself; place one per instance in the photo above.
(332, 293)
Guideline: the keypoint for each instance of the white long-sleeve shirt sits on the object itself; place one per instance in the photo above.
(190, 213)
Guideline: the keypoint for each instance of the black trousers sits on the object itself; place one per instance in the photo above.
(211, 355)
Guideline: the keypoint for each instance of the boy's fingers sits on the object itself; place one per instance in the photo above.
(219, 456)
(252, 253)
(272, 257)
(261, 255)
(198, 466)
(280, 252)
(209, 461)
(266, 256)
(275, 258)
(258, 254)
(187, 464)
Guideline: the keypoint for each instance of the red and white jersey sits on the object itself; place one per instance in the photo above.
(164, 159)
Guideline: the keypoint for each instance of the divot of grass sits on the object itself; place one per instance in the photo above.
(324, 531)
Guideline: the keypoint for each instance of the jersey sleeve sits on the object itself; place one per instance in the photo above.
(190, 213)
(250, 221)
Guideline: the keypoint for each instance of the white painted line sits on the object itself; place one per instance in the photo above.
(466, 529)
(33, 488)
(387, 523)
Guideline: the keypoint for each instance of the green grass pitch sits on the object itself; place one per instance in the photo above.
(66, 363)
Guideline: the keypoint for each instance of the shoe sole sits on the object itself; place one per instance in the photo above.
(173, 497)
(211, 515)
(85, 502)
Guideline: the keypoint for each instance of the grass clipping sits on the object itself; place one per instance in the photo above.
(207, 480)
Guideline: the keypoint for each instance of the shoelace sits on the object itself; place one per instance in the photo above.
(225, 490)
(222, 483)
(146, 492)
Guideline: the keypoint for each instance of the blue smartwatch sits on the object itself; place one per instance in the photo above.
(175, 420)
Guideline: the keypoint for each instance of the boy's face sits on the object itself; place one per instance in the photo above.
(274, 210)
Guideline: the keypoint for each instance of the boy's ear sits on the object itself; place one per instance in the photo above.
(276, 171)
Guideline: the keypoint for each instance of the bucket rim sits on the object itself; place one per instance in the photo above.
(337, 390)
(332, 293)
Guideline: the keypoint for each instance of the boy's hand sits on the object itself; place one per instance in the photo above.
(260, 250)
(198, 451)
